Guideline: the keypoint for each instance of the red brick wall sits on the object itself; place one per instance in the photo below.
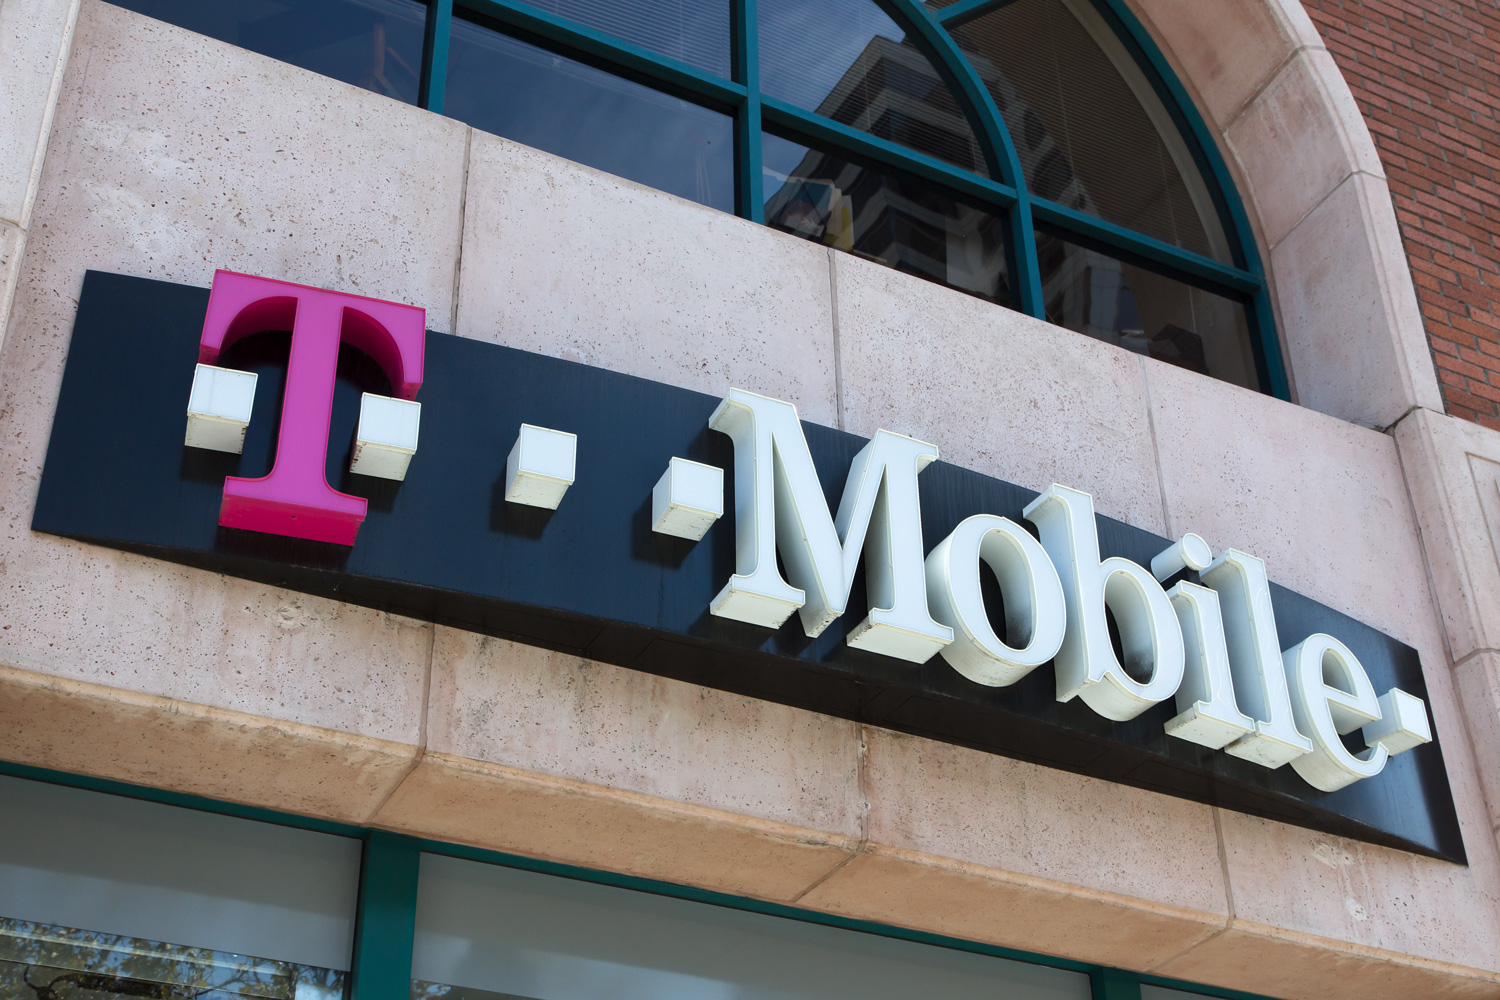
(1426, 74)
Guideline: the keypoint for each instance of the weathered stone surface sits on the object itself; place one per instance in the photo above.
(565, 260)
(996, 391)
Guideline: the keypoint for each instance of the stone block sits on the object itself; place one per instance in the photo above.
(997, 391)
(35, 37)
(1227, 49)
(174, 154)
(1477, 680)
(522, 707)
(1307, 107)
(1075, 833)
(906, 889)
(106, 732)
(1362, 902)
(1353, 333)
(12, 246)
(235, 161)
(1257, 959)
(1356, 900)
(567, 261)
(1453, 475)
(519, 812)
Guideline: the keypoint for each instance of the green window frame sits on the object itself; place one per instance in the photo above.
(385, 918)
(740, 97)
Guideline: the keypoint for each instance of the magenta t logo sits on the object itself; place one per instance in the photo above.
(295, 498)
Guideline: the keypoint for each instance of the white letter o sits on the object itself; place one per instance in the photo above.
(1034, 610)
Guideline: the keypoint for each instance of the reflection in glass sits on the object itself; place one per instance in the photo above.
(499, 932)
(693, 31)
(508, 87)
(1133, 308)
(1090, 131)
(909, 225)
(50, 962)
(1149, 992)
(847, 60)
(374, 44)
(441, 991)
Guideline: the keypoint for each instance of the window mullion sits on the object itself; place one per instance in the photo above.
(749, 203)
(1115, 984)
(386, 920)
(992, 134)
(435, 55)
(1268, 354)
(618, 56)
(966, 10)
(836, 137)
(1195, 269)
(1028, 283)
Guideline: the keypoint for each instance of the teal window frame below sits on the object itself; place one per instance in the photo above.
(385, 917)
(1005, 189)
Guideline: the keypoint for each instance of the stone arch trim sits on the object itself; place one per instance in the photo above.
(1311, 178)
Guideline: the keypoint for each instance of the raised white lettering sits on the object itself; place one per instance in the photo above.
(1255, 660)
(1206, 710)
(1035, 613)
(779, 506)
(1332, 695)
(1150, 637)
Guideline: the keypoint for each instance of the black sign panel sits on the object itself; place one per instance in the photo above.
(592, 578)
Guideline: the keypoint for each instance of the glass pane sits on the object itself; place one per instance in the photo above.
(485, 931)
(847, 60)
(508, 87)
(693, 31)
(1147, 313)
(1149, 992)
(910, 225)
(48, 962)
(116, 866)
(374, 44)
(1090, 131)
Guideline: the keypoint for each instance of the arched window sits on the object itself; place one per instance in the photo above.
(1036, 153)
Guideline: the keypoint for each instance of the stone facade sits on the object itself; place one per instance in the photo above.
(1426, 77)
(153, 151)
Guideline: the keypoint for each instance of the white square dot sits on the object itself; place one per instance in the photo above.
(540, 467)
(219, 408)
(387, 436)
(687, 499)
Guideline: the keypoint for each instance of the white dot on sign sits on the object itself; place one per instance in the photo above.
(688, 499)
(219, 407)
(541, 467)
(1190, 552)
(387, 436)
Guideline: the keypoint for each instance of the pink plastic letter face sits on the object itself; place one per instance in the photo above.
(295, 498)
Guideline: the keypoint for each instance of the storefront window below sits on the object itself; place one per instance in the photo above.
(498, 933)
(49, 962)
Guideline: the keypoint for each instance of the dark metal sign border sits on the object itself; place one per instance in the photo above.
(592, 579)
